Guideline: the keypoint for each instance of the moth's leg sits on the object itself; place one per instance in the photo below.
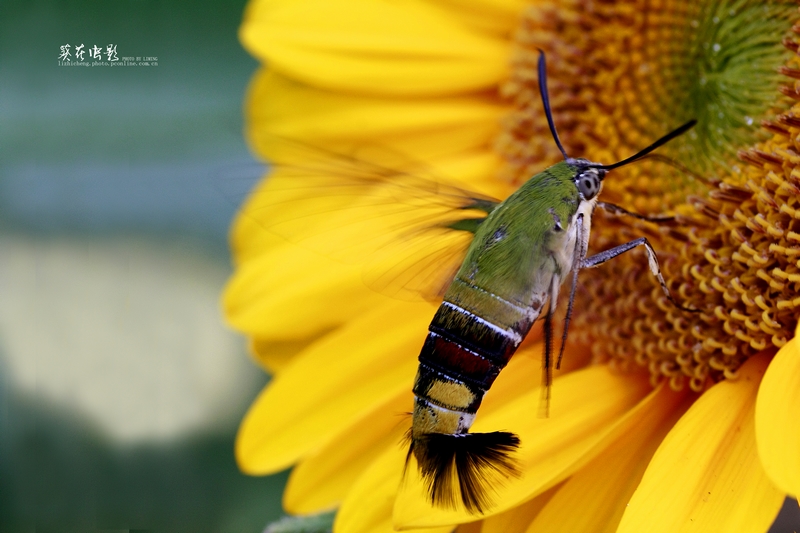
(652, 260)
(620, 211)
(547, 366)
(579, 254)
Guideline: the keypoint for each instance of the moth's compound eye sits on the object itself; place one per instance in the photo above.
(588, 183)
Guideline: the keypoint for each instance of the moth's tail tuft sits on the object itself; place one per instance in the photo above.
(465, 464)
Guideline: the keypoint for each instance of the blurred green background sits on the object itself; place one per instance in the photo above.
(120, 388)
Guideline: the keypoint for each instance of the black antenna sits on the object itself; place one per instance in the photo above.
(546, 102)
(641, 153)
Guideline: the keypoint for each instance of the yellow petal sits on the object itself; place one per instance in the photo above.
(249, 238)
(373, 47)
(777, 423)
(322, 479)
(602, 488)
(314, 398)
(345, 209)
(706, 475)
(589, 407)
(396, 235)
(292, 293)
(517, 519)
(368, 505)
(287, 197)
(524, 372)
(279, 108)
(491, 16)
(276, 355)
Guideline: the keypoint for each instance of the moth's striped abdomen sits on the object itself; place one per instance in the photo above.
(471, 338)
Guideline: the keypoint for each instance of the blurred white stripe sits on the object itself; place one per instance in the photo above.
(124, 330)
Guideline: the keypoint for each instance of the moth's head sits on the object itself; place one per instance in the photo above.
(588, 177)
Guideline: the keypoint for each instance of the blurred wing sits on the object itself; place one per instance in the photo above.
(410, 232)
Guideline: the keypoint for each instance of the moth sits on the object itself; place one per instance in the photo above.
(521, 254)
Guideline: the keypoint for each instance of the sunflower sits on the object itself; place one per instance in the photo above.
(661, 420)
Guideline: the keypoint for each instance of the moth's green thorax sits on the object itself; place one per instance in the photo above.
(529, 238)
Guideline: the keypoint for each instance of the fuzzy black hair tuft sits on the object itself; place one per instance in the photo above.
(462, 464)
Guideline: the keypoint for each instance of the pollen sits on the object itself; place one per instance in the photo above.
(732, 251)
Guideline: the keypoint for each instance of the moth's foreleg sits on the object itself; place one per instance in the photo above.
(620, 211)
(579, 255)
(652, 260)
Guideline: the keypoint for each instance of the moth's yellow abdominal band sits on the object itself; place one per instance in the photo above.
(452, 394)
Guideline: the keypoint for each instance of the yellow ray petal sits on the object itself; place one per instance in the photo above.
(292, 293)
(284, 195)
(602, 488)
(706, 475)
(445, 138)
(248, 238)
(474, 171)
(313, 399)
(344, 201)
(472, 527)
(777, 424)
(322, 479)
(373, 47)
(368, 505)
(279, 108)
(495, 17)
(589, 407)
(276, 355)
(524, 373)
(397, 237)
(517, 519)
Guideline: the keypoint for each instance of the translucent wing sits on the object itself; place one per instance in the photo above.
(409, 231)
